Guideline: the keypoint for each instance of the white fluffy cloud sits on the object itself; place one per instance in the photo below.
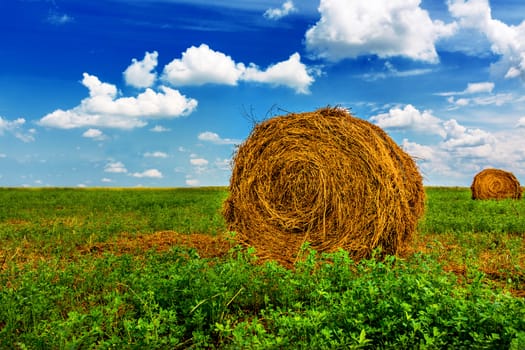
(150, 173)
(460, 136)
(432, 160)
(466, 152)
(454, 135)
(199, 162)
(291, 73)
(202, 65)
(7, 125)
(212, 137)
(475, 88)
(409, 118)
(436, 164)
(104, 109)
(278, 13)
(94, 134)
(115, 167)
(351, 28)
(97, 88)
(141, 74)
(15, 127)
(506, 40)
(462, 151)
(420, 152)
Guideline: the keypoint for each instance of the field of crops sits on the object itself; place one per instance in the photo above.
(156, 269)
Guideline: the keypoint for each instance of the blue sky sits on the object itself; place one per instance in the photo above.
(157, 93)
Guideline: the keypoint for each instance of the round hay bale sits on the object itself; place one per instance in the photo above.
(495, 184)
(323, 177)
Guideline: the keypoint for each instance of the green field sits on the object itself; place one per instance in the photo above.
(156, 269)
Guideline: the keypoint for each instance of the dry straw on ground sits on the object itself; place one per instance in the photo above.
(323, 177)
(495, 184)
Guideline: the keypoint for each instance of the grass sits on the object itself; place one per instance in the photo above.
(475, 236)
(141, 268)
(58, 221)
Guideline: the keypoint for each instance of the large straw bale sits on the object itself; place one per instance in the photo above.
(323, 177)
(495, 184)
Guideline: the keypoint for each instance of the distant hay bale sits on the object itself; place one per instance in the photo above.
(323, 177)
(495, 184)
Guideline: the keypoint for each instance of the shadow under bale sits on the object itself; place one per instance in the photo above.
(323, 177)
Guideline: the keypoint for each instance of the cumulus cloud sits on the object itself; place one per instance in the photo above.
(460, 136)
(462, 151)
(200, 165)
(420, 152)
(506, 40)
(141, 74)
(93, 134)
(476, 88)
(97, 88)
(348, 29)
(436, 163)
(7, 125)
(454, 135)
(431, 160)
(115, 167)
(409, 118)
(104, 109)
(15, 127)
(150, 173)
(202, 65)
(212, 137)
(199, 162)
(291, 73)
(278, 13)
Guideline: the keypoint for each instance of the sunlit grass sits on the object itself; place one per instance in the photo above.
(154, 268)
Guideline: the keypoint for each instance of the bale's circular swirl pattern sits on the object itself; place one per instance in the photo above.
(495, 184)
(323, 177)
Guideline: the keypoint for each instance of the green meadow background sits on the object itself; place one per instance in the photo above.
(157, 269)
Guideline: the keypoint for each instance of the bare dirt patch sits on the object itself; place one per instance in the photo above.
(498, 263)
(207, 246)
